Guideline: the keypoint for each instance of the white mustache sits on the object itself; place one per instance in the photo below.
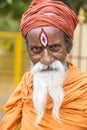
(39, 67)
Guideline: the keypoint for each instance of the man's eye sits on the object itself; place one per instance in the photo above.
(36, 49)
(55, 48)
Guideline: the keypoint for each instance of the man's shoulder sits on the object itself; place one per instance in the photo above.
(75, 76)
(26, 75)
(26, 78)
(75, 70)
(26, 81)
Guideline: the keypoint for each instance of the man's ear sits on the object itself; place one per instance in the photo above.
(26, 41)
(69, 47)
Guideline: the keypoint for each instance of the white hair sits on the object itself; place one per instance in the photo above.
(48, 82)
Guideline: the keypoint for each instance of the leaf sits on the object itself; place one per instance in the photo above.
(9, 1)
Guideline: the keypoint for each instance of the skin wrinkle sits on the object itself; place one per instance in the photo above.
(58, 39)
(68, 42)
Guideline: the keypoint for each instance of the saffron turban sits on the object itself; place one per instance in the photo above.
(48, 13)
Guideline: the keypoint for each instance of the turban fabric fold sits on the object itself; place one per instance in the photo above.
(48, 13)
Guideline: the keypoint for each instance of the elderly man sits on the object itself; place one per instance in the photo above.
(53, 95)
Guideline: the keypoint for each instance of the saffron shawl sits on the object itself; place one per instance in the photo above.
(73, 111)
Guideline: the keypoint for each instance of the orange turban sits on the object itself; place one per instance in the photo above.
(48, 13)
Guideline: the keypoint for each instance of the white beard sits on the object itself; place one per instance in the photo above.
(48, 83)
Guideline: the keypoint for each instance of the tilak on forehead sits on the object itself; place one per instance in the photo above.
(43, 38)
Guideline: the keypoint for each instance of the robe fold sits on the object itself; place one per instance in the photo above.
(73, 112)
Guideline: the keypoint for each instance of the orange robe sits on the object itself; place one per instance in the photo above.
(73, 112)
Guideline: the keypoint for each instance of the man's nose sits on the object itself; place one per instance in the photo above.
(47, 58)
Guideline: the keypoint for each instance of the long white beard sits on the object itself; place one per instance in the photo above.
(48, 83)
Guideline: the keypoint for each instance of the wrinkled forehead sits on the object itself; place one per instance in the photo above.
(47, 29)
(45, 34)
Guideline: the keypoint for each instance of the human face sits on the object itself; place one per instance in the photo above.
(55, 50)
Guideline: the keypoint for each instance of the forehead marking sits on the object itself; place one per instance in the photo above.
(43, 38)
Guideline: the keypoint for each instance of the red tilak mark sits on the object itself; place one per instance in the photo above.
(43, 38)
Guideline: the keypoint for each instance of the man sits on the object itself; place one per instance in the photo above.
(53, 95)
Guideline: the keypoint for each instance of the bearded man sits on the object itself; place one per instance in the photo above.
(53, 95)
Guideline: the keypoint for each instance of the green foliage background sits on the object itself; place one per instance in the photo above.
(11, 12)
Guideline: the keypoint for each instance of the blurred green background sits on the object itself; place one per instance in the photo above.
(11, 11)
